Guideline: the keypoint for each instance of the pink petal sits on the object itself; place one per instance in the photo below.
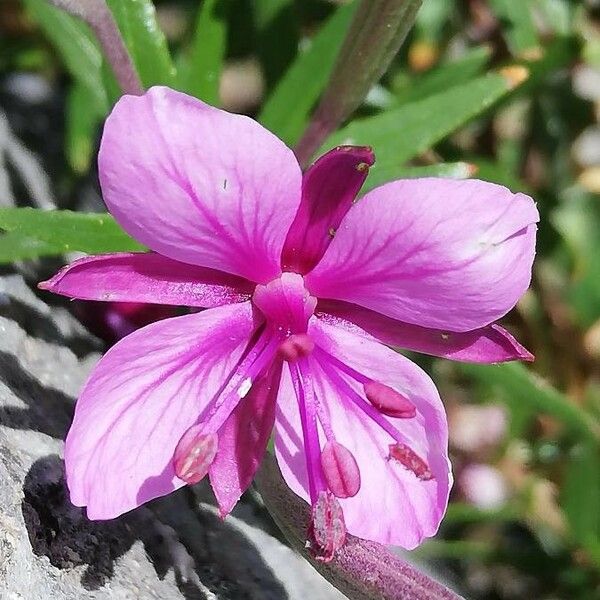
(140, 399)
(440, 253)
(329, 187)
(198, 184)
(243, 440)
(147, 277)
(393, 506)
(490, 344)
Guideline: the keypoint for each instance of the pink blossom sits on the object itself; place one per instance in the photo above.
(305, 289)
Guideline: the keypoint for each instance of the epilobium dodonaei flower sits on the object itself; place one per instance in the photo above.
(305, 289)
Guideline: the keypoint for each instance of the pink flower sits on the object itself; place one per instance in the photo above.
(305, 289)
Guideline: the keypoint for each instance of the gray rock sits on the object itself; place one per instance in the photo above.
(173, 548)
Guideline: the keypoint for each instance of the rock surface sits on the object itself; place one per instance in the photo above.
(174, 548)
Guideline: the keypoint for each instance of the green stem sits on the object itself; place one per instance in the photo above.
(98, 16)
(375, 35)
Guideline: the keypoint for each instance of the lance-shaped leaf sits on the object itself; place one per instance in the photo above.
(31, 233)
(287, 109)
(402, 133)
(144, 40)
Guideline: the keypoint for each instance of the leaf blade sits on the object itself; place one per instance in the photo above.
(287, 109)
(47, 233)
(145, 41)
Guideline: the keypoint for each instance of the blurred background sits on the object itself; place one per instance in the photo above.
(504, 90)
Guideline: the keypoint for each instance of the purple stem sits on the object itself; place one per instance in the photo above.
(98, 16)
(375, 35)
(361, 570)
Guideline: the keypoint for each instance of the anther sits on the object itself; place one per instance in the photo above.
(388, 401)
(194, 454)
(295, 347)
(340, 470)
(327, 530)
(409, 459)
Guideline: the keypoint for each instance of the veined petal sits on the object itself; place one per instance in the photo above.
(199, 184)
(329, 187)
(490, 344)
(439, 253)
(147, 277)
(243, 440)
(140, 399)
(408, 508)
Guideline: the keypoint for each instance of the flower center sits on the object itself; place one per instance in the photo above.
(286, 304)
(332, 471)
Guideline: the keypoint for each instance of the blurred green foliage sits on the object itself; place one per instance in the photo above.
(448, 107)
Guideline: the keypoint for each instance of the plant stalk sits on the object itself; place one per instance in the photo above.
(361, 570)
(98, 16)
(375, 35)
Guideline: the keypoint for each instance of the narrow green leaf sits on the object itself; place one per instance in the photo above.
(277, 36)
(578, 223)
(463, 513)
(76, 46)
(518, 386)
(456, 549)
(432, 19)
(82, 124)
(400, 134)
(489, 170)
(557, 15)
(199, 72)
(33, 232)
(518, 26)
(14, 246)
(443, 77)
(378, 176)
(144, 40)
(287, 109)
(580, 492)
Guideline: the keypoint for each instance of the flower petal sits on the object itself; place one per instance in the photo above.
(329, 187)
(199, 184)
(490, 344)
(243, 440)
(142, 396)
(147, 277)
(393, 506)
(440, 253)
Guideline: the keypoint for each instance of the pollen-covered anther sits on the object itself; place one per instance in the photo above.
(388, 401)
(409, 459)
(194, 454)
(296, 346)
(327, 530)
(340, 470)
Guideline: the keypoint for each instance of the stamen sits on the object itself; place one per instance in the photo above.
(340, 470)
(194, 454)
(323, 356)
(296, 346)
(388, 401)
(401, 450)
(327, 530)
(256, 362)
(329, 473)
(411, 460)
(308, 417)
